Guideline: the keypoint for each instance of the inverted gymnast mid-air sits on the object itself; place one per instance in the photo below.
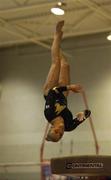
(56, 90)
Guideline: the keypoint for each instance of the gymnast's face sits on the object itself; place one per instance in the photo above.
(55, 132)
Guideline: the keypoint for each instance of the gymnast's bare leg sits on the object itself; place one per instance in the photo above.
(64, 79)
(54, 72)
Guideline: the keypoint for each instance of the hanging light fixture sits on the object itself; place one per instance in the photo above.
(58, 9)
(109, 37)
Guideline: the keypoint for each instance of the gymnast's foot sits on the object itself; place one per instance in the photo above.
(81, 116)
(59, 27)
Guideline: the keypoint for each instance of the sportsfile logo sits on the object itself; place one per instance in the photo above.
(84, 165)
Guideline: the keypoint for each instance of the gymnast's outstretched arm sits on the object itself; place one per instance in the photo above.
(77, 88)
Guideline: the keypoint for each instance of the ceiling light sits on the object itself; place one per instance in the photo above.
(109, 37)
(58, 9)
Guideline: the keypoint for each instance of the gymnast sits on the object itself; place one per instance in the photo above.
(56, 90)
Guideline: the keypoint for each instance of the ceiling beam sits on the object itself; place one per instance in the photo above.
(25, 2)
(33, 39)
(81, 19)
(67, 35)
(17, 3)
(97, 9)
(88, 32)
(10, 28)
(27, 8)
